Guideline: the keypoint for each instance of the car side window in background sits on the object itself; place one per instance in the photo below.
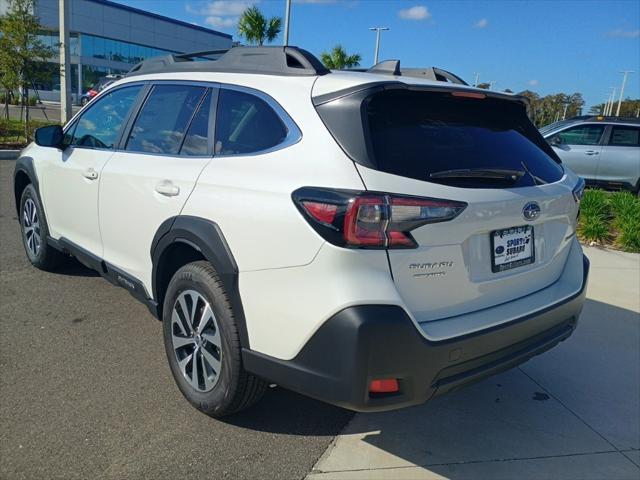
(100, 125)
(163, 119)
(625, 136)
(581, 135)
(246, 124)
(196, 142)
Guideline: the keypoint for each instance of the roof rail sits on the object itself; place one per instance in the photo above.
(603, 118)
(260, 60)
(392, 67)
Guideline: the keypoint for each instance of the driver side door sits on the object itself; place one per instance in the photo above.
(69, 180)
(580, 148)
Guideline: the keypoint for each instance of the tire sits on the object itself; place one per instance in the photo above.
(220, 386)
(34, 233)
(84, 101)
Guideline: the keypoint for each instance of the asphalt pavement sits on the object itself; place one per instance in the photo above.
(85, 390)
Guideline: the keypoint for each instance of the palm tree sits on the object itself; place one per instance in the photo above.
(254, 26)
(338, 59)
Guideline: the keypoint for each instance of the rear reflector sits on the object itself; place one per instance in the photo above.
(387, 385)
(371, 220)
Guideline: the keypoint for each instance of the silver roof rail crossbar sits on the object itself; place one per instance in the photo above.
(260, 60)
(392, 67)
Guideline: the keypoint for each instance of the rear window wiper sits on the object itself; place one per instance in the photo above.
(489, 173)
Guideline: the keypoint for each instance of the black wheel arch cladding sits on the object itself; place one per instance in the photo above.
(205, 237)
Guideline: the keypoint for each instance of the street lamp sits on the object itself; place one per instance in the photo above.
(377, 30)
(624, 80)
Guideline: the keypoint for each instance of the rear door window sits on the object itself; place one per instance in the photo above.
(161, 124)
(422, 134)
(624, 136)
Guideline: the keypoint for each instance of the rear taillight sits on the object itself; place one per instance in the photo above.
(578, 190)
(370, 220)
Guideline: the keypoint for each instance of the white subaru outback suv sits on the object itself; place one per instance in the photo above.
(371, 239)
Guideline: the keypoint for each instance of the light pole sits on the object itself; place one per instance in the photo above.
(477, 74)
(287, 18)
(564, 113)
(624, 80)
(612, 99)
(377, 30)
(65, 62)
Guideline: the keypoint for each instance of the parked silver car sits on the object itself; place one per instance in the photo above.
(605, 151)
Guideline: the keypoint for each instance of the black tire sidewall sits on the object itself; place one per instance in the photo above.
(217, 401)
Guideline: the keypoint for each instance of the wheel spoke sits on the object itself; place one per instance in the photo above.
(176, 320)
(212, 361)
(212, 337)
(193, 380)
(179, 342)
(182, 364)
(194, 306)
(205, 318)
(185, 314)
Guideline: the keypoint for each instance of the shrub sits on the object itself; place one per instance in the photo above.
(610, 217)
(626, 220)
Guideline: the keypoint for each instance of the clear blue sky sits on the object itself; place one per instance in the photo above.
(546, 46)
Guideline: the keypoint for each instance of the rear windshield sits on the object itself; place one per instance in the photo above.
(424, 135)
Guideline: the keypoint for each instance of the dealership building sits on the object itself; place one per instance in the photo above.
(107, 37)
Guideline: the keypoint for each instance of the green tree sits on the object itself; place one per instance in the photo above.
(628, 108)
(255, 27)
(548, 109)
(338, 58)
(20, 50)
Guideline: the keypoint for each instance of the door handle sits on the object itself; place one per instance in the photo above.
(167, 189)
(591, 152)
(90, 174)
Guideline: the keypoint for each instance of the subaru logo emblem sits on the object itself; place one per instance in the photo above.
(531, 211)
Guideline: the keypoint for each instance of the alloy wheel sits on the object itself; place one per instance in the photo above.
(31, 227)
(196, 340)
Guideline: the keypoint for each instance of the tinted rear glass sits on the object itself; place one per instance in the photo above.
(417, 134)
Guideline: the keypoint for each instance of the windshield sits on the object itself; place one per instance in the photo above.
(417, 134)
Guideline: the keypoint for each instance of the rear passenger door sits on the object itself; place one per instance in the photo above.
(579, 148)
(150, 177)
(620, 156)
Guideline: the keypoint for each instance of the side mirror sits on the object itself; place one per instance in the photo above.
(556, 140)
(50, 136)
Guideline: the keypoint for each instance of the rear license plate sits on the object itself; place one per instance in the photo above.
(512, 247)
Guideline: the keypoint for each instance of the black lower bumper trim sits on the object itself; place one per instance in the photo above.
(368, 342)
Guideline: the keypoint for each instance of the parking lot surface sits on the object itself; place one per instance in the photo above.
(85, 390)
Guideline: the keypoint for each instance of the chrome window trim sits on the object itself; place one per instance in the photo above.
(293, 136)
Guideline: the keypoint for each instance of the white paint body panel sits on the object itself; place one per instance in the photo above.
(71, 199)
(131, 210)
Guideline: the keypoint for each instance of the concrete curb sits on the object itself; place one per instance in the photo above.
(9, 154)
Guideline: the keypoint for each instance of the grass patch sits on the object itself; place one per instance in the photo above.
(12, 132)
(610, 219)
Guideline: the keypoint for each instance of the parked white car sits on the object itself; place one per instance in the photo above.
(370, 239)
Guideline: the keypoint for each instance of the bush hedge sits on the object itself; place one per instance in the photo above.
(610, 219)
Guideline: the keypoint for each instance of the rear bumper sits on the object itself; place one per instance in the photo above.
(369, 342)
